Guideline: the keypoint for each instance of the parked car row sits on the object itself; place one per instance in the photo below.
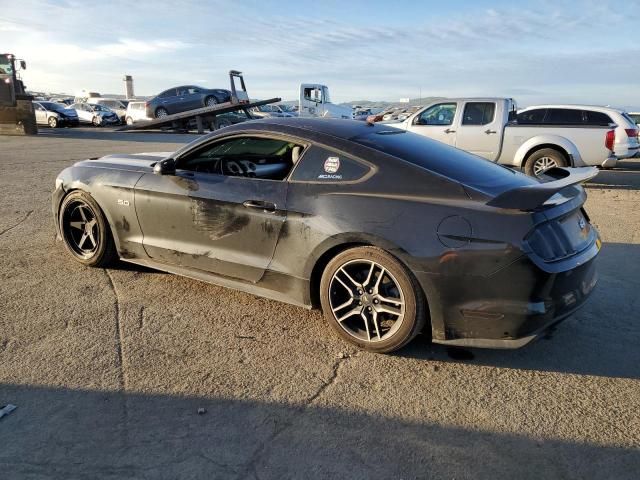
(59, 115)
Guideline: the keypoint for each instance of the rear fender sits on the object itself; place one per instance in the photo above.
(548, 141)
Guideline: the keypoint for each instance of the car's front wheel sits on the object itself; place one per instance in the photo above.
(210, 102)
(53, 122)
(96, 121)
(129, 121)
(85, 231)
(372, 300)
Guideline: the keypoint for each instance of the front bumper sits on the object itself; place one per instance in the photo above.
(510, 308)
(610, 162)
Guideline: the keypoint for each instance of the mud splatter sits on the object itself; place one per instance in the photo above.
(186, 183)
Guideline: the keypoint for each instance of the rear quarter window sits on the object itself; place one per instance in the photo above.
(597, 118)
(319, 164)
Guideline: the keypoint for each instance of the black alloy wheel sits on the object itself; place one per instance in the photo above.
(84, 230)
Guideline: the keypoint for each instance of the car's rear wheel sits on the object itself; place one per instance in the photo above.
(129, 121)
(210, 101)
(161, 112)
(96, 121)
(542, 160)
(85, 231)
(372, 300)
(53, 122)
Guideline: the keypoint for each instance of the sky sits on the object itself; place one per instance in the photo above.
(537, 51)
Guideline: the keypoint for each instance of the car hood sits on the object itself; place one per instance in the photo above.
(141, 162)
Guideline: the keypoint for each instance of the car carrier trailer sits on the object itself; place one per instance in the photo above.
(206, 117)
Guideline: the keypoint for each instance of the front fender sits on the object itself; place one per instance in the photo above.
(549, 141)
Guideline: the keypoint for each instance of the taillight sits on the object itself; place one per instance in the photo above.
(610, 139)
(631, 132)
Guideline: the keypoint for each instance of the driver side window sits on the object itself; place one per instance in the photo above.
(441, 114)
(250, 157)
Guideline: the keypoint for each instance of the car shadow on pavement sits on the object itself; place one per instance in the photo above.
(600, 339)
(626, 176)
(66, 433)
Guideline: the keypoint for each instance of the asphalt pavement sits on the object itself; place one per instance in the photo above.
(129, 373)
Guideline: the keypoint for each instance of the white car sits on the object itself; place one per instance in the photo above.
(136, 112)
(54, 114)
(268, 111)
(113, 104)
(625, 144)
(96, 115)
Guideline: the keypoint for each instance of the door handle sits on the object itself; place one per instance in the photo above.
(488, 131)
(448, 130)
(266, 207)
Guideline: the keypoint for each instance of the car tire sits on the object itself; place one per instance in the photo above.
(161, 112)
(85, 231)
(53, 122)
(96, 121)
(540, 161)
(372, 300)
(210, 102)
(129, 121)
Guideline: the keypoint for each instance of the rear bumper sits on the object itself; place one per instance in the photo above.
(510, 308)
(627, 151)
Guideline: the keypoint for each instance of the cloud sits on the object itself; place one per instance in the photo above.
(361, 51)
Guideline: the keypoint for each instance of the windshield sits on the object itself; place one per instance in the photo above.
(455, 164)
(100, 108)
(54, 107)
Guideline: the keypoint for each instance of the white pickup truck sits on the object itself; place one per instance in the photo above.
(491, 127)
(316, 102)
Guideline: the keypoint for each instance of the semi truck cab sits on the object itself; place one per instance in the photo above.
(315, 101)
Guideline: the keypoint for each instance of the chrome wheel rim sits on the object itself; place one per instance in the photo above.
(53, 122)
(543, 164)
(161, 113)
(80, 228)
(366, 300)
(211, 102)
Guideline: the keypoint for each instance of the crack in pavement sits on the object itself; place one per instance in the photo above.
(262, 450)
(122, 378)
(17, 224)
(122, 375)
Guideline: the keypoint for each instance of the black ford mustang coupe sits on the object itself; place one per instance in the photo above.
(390, 233)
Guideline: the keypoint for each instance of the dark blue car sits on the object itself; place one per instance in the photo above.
(184, 98)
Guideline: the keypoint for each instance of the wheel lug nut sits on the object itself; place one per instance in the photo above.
(359, 303)
(370, 291)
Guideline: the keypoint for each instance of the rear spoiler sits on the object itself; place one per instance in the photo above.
(530, 197)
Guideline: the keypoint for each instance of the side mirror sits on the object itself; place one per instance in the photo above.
(165, 167)
(23, 64)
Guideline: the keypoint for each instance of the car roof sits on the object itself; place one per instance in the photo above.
(595, 108)
(339, 128)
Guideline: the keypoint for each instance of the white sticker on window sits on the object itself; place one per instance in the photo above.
(331, 164)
